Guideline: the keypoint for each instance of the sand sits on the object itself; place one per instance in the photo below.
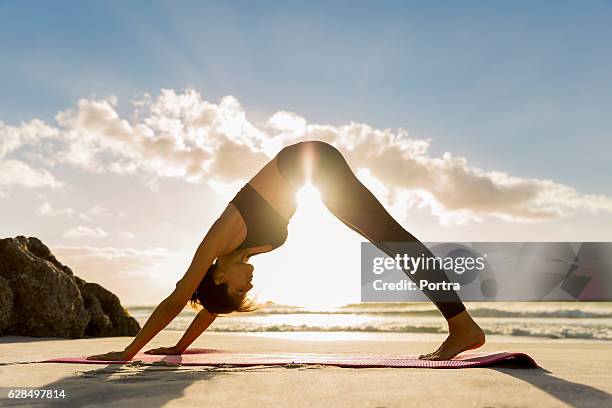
(575, 373)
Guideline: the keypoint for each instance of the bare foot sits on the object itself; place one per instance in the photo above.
(464, 334)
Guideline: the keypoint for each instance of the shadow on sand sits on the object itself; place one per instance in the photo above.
(572, 393)
(10, 339)
(148, 386)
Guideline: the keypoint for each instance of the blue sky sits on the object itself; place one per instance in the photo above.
(524, 87)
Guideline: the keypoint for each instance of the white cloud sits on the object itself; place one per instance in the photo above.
(456, 191)
(86, 217)
(99, 210)
(95, 211)
(33, 132)
(85, 232)
(183, 136)
(46, 209)
(18, 173)
(136, 257)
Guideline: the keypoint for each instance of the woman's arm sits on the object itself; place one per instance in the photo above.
(165, 312)
(201, 322)
(205, 255)
(161, 317)
(213, 245)
(204, 318)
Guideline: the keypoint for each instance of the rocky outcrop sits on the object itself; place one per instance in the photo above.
(41, 297)
(6, 304)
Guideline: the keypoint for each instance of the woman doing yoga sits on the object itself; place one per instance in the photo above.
(255, 221)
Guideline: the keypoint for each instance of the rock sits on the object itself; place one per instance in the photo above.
(39, 249)
(101, 304)
(42, 297)
(6, 303)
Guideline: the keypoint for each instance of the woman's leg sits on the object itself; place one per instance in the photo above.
(351, 202)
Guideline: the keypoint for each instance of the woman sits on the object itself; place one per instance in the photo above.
(256, 221)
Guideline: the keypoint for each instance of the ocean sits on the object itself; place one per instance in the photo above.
(558, 320)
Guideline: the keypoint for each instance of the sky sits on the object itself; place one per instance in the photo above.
(125, 128)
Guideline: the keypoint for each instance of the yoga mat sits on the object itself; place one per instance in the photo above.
(211, 357)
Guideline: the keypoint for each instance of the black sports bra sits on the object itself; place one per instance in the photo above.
(264, 224)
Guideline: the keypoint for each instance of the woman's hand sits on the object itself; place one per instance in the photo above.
(111, 356)
(170, 351)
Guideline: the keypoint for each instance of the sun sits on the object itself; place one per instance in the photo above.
(309, 198)
(319, 265)
(314, 225)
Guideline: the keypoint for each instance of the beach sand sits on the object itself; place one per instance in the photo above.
(575, 373)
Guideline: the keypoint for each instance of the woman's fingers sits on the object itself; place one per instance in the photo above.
(98, 357)
(158, 350)
(112, 356)
(162, 350)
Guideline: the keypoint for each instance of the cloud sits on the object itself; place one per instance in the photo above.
(100, 211)
(18, 173)
(180, 136)
(30, 133)
(46, 209)
(85, 232)
(183, 136)
(453, 188)
(130, 258)
(86, 217)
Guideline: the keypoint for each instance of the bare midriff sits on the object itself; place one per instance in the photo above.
(272, 187)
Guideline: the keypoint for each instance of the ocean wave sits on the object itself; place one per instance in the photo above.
(544, 320)
(554, 332)
(315, 328)
(559, 313)
(585, 310)
(551, 331)
(475, 312)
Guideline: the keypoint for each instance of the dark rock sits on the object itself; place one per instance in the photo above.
(47, 299)
(6, 303)
(39, 249)
(101, 304)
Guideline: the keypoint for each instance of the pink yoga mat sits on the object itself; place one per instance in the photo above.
(211, 357)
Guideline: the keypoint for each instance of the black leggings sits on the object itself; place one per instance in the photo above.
(352, 203)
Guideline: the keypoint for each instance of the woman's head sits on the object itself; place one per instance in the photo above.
(224, 287)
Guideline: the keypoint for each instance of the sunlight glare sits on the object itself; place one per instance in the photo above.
(319, 265)
(308, 197)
